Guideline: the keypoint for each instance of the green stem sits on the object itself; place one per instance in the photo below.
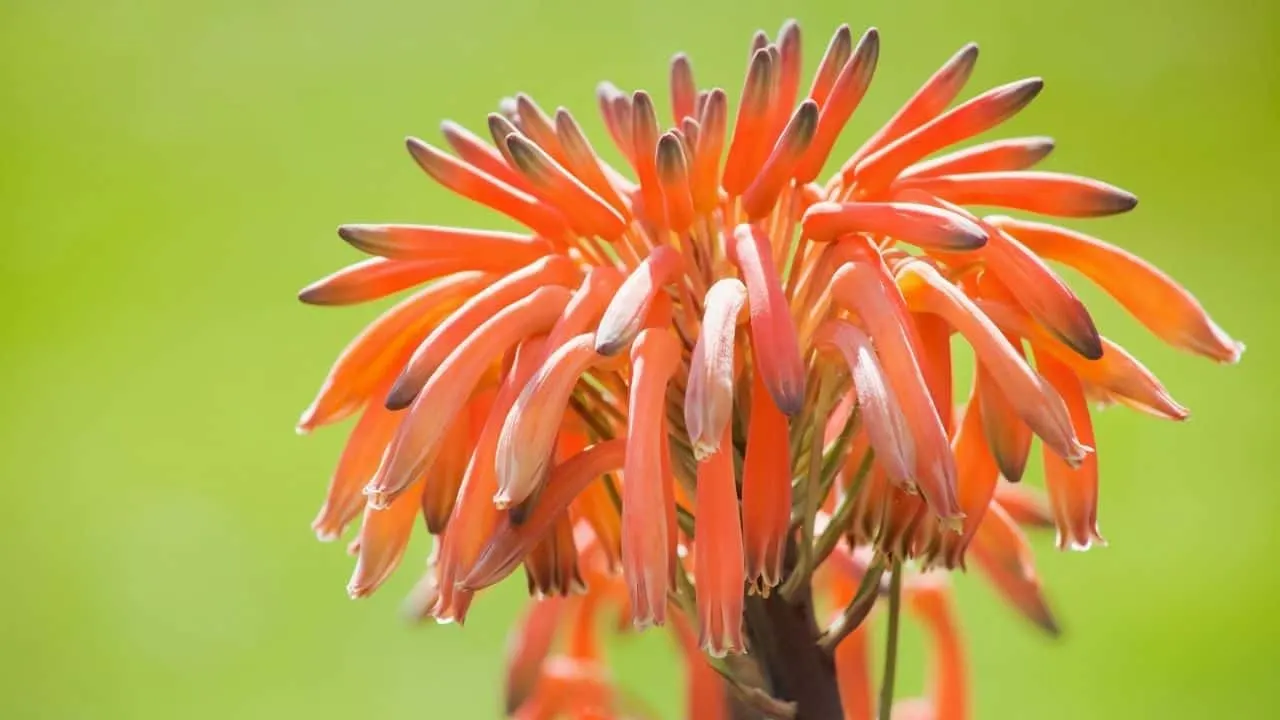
(891, 643)
(857, 609)
(842, 519)
(812, 499)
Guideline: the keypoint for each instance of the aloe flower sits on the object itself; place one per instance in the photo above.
(714, 392)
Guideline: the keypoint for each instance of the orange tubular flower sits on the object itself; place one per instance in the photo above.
(712, 390)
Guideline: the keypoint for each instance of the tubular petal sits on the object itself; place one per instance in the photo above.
(865, 287)
(553, 270)
(787, 71)
(586, 305)
(551, 567)
(615, 108)
(1155, 299)
(853, 674)
(704, 173)
(761, 195)
(719, 564)
(868, 507)
(581, 160)
(1046, 193)
(382, 347)
(932, 98)
(978, 474)
(1037, 288)
(704, 687)
(585, 211)
(1073, 492)
(383, 538)
(645, 532)
(997, 155)
(489, 250)
(1002, 553)
(625, 315)
(766, 490)
(1117, 372)
(1044, 294)
(474, 517)
(1007, 435)
(1026, 505)
(833, 60)
(846, 94)
(644, 146)
(480, 187)
(569, 687)
(529, 433)
(595, 506)
(882, 416)
(418, 439)
(472, 150)
(528, 646)
(749, 142)
(673, 179)
(684, 90)
(980, 114)
(511, 541)
(1035, 401)
(373, 279)
(901, 522)
(708, 401)
(930, 228)
(446, 473)
(935, 363)
(358, 463)
(774, 343)
(537, 126)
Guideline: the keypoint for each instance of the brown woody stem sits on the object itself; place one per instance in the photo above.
(784, 641)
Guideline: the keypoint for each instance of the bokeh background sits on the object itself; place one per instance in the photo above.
(171, 173)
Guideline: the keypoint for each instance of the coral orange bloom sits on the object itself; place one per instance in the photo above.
(712, 390)
(645, 532)
(718, 555)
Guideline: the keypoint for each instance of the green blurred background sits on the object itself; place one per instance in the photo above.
(172, 173)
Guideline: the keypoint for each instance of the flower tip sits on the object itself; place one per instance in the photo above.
(1077, 455)
(789, 396)
(952, 523)
(315, 294)
(401, 394)
(353, 234)
(502, 499)
(415, 146)
(307, 422)
(324, 534)
(1027, 90)
(966, 234)
(610, 345)
(1040, 613)
(1235, 352)
(378, 498)
(1121, 201)
(644, 623)
(1076, 545)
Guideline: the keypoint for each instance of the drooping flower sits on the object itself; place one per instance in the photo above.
(709, 382)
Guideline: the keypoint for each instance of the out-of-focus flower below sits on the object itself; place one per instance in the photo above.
(711, 378)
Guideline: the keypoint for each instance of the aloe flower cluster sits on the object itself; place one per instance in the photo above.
(712, 391)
